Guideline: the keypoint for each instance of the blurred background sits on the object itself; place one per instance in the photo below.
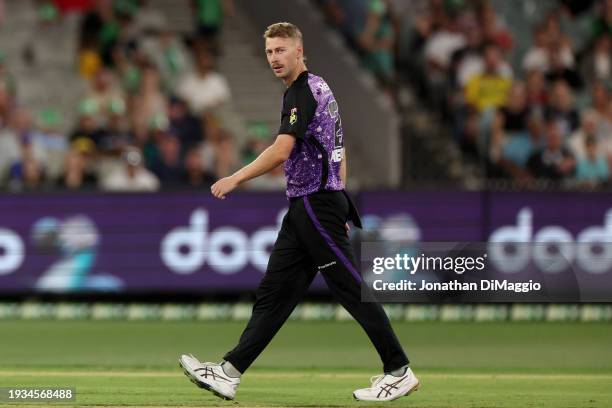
(462, 117)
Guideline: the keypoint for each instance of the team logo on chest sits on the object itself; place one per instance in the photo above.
(293, 116)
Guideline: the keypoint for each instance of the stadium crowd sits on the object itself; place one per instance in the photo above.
(542, 118)
(151, 115)
(150, 118)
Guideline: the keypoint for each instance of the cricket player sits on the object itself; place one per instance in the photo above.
(314, 234)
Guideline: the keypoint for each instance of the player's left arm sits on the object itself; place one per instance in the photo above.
(273, 156)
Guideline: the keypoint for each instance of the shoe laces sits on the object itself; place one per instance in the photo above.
(375, 379)
(204, 363)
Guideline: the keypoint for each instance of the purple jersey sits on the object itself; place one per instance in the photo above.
(310, 113)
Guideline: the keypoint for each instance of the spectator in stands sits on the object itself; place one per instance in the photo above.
(376, 41)
(87, 130)
(492, 28)
(205, 89)
(102, 93)
(196, 174)
(224, 152)
(128, 71)
(536, 89)
(599, 99)
(132, 176)
(9, 148)
(536, 57)
(554, 162)
(168, 167)
(75, 174)
(115, 135)
(592, 170)
(5, 105)
(92, 21)
(440, 46)
(209, 15)
(8, 84)
(149, 103)
(89, 61)
(468, 60)
(169, 56)
(561, 108)
(509, 151)
(347, 15)
(98, 32)
(49, 139)
(558, 70)
(604, 130)
(449, 40)
(515, 112)
(490, 88)
(148, 18)
(603, 23)
(598, 62)
(27, 173)
(185, 125)
(588, 128)
(422, 19)
(17, 139)
(149, 139)
(548, 42)
(469, 135)
(122, 32)
(536, 127)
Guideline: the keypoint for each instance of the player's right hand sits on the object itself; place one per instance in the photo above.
(223, 187)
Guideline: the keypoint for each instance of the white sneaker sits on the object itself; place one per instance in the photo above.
(386, 387)
(209, 376)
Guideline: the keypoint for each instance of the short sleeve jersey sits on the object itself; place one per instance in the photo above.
(310, 113)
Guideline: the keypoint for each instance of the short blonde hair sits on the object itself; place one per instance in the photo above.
(283, 30)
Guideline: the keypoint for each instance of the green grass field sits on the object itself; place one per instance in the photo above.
(315, 364)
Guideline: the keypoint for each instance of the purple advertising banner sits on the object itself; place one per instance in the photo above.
(190, 242)
(170, 242)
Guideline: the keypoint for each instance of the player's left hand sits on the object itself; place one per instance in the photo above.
(223, 187)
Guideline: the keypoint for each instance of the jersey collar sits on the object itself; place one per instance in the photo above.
(301, 78)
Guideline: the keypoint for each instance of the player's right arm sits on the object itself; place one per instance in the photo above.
(270, 158)
(298, 109)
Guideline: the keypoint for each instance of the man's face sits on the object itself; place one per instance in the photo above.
(283, 55)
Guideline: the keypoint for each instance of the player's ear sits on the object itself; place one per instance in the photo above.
(300, 50)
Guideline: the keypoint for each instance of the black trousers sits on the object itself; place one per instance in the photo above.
(312, 239)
